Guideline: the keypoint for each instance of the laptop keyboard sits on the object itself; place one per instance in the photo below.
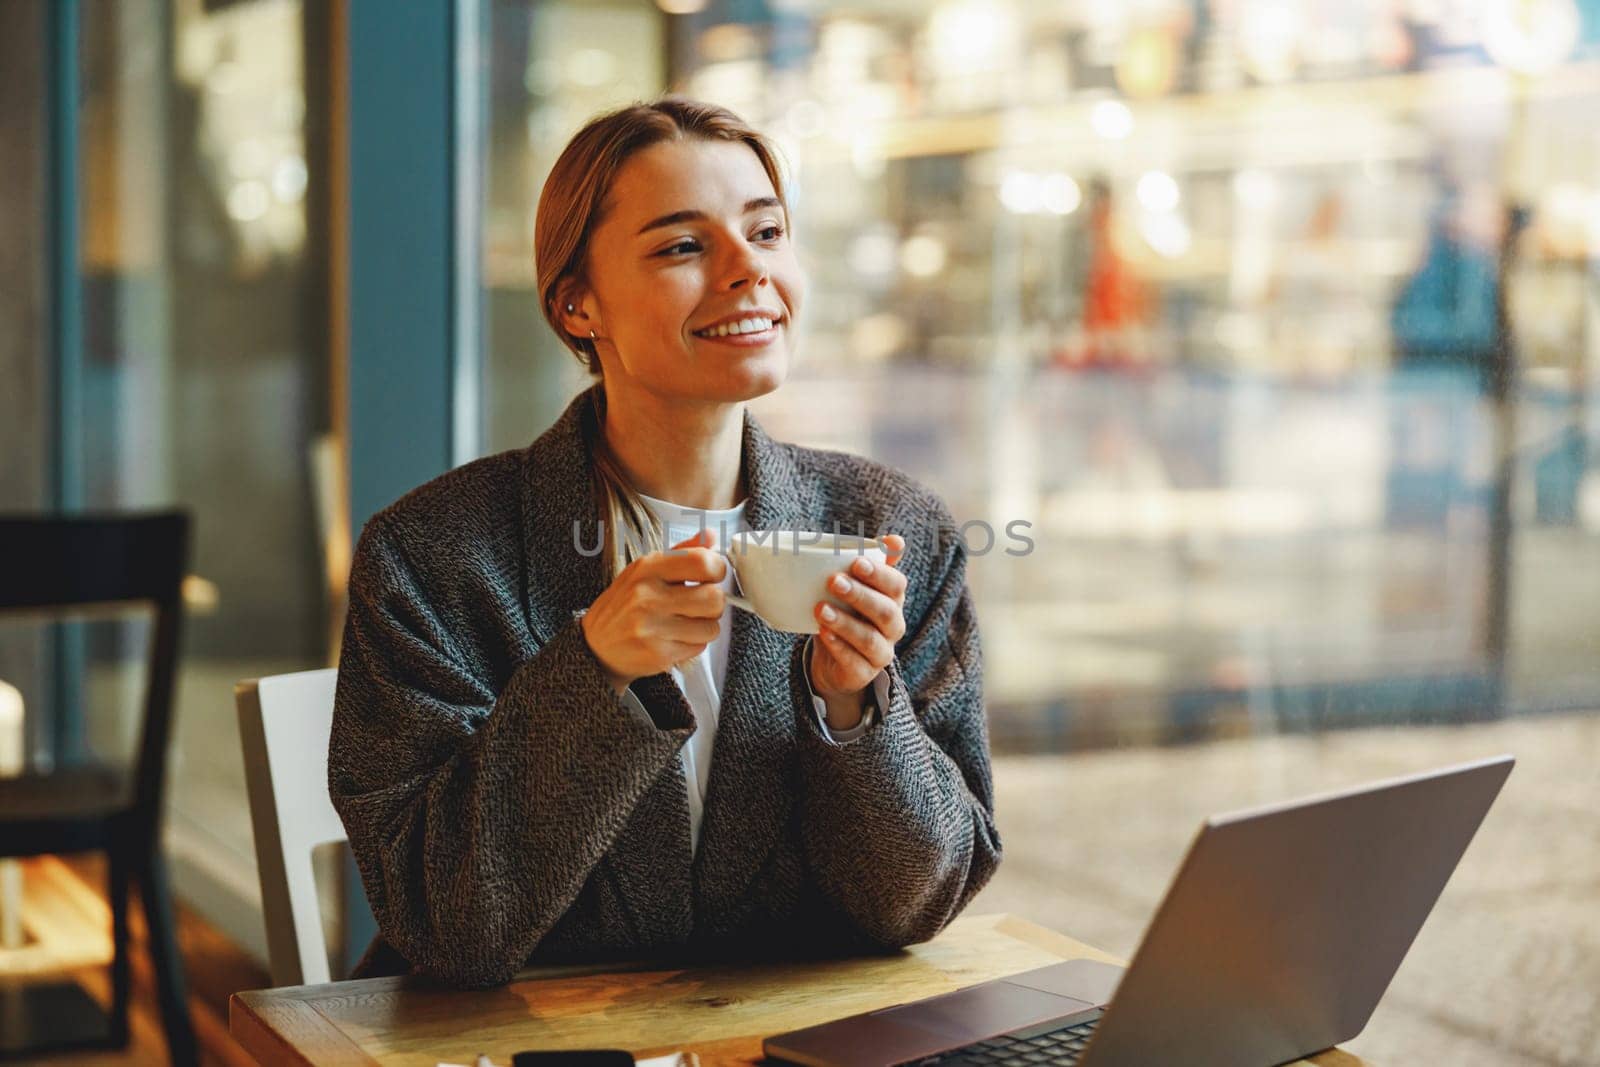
(1062, 1045)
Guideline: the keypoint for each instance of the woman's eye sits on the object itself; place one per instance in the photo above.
(673, 250)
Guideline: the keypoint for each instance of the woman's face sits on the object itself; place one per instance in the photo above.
(691, 234)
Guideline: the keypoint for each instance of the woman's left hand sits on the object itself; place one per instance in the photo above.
(856, 643)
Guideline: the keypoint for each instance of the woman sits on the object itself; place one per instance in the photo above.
(524, 727)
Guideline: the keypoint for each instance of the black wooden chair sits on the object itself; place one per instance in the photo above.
(65, 565)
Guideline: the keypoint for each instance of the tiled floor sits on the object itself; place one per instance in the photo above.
(1506, 970)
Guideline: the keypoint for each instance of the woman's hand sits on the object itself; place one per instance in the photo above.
(857, 643)
(647, 619)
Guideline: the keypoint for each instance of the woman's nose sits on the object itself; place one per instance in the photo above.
(748, 267)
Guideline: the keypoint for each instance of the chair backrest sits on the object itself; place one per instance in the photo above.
(58, 563)
(284, 723)
(79, 560)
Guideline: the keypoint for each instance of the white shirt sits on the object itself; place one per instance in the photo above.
(701, 679)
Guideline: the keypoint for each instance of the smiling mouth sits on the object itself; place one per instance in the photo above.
(754, 334)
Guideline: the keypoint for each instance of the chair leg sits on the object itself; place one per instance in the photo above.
(118, 863)
(168, 964)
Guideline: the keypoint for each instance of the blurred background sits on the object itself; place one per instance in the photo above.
(1277, 322)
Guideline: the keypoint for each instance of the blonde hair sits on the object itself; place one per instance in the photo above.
(570, 207)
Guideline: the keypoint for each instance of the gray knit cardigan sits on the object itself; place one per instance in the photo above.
(505, 808)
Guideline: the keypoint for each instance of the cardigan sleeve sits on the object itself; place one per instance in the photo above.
(915, 791)
(476, 815)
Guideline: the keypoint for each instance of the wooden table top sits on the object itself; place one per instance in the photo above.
(720, 1012)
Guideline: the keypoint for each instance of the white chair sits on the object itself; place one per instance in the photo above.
(284, 722)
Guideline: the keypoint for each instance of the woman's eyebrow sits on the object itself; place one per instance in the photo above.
(689, 216)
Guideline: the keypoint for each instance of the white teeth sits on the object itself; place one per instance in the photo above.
(755, 325)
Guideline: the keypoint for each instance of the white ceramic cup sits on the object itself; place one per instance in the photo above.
(783, 573)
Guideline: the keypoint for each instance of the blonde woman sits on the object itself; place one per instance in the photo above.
(553, 739)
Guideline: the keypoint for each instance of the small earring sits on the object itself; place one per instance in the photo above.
(569, 307)
(591, 335)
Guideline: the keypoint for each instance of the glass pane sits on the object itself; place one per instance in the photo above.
(26, 423)
(1553, 291)
(205, 365)
(551, 66)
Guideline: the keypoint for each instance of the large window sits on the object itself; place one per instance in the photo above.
(1278, 324)
(1213, 303)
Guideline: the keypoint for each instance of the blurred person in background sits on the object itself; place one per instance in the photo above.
(1445, 314)
(1118, 305)
(1448, 337)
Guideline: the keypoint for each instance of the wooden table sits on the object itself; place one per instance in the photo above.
(721, 1012)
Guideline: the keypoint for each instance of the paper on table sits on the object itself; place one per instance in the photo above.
(675, 1059)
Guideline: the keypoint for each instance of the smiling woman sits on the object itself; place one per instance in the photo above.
(529, 738)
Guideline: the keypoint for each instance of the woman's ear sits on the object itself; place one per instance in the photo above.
(571, 313)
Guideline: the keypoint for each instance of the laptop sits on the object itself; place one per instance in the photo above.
(1276, 939)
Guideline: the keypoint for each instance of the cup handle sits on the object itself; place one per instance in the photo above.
(740, 602)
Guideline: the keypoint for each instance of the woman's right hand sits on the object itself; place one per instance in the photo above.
(647, 619)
